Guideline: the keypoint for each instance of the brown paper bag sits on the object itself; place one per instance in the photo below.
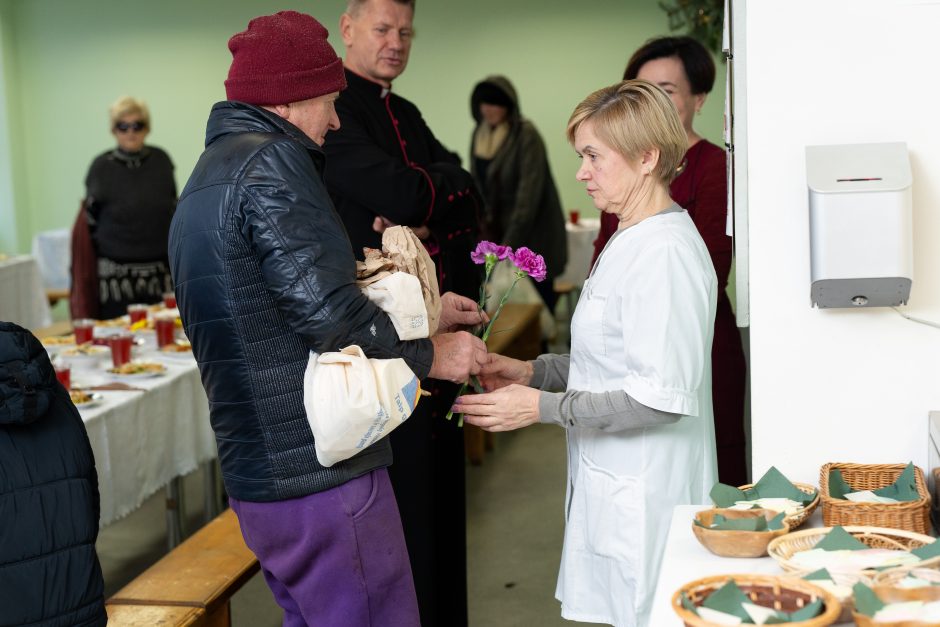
(402, 251)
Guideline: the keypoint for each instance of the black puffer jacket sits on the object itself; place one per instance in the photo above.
(264, 273)
(49, 571)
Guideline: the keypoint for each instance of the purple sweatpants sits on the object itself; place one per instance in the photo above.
(336, 557)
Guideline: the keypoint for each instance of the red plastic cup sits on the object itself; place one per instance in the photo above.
(120, 344)
(166, 330)
(64, 374)
(137, 312)
(574, 215)
(169, 300)
(84, 329)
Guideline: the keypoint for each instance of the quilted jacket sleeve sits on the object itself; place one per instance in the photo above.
(307, 260)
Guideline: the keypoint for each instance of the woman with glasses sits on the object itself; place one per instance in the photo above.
(130, 199)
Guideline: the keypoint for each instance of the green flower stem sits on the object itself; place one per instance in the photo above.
(502, 301)
(484, 337)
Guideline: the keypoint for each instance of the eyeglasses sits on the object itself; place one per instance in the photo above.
(124, 127)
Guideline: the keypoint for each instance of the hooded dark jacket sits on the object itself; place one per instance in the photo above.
(522, 205)
(265, 273)
(49, 572)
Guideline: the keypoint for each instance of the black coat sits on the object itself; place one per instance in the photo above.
(49, 571)
(264, 273)
(522, 203)
(385, 161)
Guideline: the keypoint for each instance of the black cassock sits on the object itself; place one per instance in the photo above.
(384, 161)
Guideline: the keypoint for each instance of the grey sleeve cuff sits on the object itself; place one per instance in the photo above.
(550, 372)
(606, 411)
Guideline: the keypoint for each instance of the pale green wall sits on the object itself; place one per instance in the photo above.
(65, 61)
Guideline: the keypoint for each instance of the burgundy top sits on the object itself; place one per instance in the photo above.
(702, 190)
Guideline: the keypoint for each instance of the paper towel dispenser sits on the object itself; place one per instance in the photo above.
(860, 223)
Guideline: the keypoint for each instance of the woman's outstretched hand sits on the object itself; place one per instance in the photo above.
(506, 409)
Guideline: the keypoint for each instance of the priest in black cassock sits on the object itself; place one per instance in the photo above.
(386, 167)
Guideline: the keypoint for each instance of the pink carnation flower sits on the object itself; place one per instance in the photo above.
(529, 262)
(485, 248)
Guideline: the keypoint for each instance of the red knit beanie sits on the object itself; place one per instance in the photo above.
(282, 58)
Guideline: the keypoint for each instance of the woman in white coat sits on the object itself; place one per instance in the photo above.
(635, 393)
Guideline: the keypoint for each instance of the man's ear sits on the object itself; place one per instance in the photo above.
(282, 110)
(345, 28)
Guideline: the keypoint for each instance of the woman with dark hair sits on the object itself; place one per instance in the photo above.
(684, 69)
(510, 166)
(129, 202)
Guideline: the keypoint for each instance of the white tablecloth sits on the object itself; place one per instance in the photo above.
(686, 560)
(581, 238)
(22, 295)
(142, 440)
(53, 253)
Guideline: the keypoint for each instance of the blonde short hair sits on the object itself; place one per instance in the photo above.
(632, 117)
(125, 105)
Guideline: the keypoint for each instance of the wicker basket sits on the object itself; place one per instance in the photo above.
(843, 579)
(865, 621)
(911, 515)
(797, 518)
(886, 585)
(785, 594)
(784, 547)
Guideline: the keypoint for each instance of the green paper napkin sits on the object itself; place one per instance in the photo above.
(774, 485)
(838, 488)
(726, 495)
(776, 522)
(839, 540)
(818, 575)
(728, 599)
(810, 611)
(904, 488)
(687, 603)
(865, 600)
(927, 551)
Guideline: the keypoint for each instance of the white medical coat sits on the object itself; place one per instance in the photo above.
(644, 325)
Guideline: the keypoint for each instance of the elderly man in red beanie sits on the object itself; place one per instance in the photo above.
(265, 273)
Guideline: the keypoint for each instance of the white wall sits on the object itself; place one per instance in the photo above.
(838, 385)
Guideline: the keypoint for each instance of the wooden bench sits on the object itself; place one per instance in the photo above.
(192, 584)
(516, 334)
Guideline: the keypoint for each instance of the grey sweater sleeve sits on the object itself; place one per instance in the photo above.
(606, 411)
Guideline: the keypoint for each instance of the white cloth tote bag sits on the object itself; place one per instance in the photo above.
(399, 295)
(353, 401)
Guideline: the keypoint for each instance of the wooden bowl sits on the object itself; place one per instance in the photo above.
(726, 543)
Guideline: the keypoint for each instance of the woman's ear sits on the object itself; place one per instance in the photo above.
(699, 101)
(648, 160)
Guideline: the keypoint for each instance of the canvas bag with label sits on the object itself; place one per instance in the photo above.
(353, 401)
(402, 280)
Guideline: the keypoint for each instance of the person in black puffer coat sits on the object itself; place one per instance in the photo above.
(49, 570)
